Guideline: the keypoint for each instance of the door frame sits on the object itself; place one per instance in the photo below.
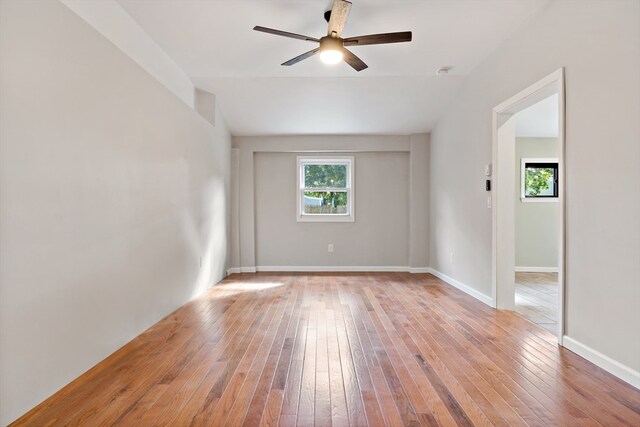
(551, 84)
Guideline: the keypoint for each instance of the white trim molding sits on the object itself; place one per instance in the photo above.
(241, 270)
(464, 288)
(323, 268)
(536, 269)
(504, 179)
(349, 163)
(334, 268)
(624, 372)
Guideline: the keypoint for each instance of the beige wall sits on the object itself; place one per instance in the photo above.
(379, 236)
(537, 223)
(387, 229)
(113, 201)
(602, 128)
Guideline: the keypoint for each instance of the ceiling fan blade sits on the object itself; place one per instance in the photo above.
(339, 14)
(384, 38)
(355, 62)
(301, 57)
(285, 34)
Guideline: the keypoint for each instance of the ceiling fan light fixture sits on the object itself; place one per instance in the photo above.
(331, 50)
(331, 56)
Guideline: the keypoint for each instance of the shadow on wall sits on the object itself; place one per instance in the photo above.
(206, 236)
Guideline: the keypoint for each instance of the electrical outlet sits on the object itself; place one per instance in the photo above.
(330, 247)
(452, 257)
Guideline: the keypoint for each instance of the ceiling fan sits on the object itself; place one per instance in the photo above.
(332, 47)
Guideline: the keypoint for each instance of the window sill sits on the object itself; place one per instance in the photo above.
(326, 218)
(539, 199)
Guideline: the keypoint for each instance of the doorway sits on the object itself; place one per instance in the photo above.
(528, 204)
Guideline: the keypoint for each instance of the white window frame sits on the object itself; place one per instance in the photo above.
(523, 162)
(315, 160)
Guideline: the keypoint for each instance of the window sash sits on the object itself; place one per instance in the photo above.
(345, 163)
(325, 190)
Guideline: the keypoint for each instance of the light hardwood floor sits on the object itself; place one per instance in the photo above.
(341, 349)
(537, 299)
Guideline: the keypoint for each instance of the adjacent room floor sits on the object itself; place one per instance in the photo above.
(341, 349)
(537, 299)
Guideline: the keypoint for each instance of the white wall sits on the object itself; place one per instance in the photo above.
(112, 193)
(113, 22)
(602, 131)
(269, 236)
(537, 223)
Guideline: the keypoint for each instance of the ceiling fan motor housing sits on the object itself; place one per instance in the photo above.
(331, 43)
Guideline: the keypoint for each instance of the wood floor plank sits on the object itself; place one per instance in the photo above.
(339, 414)
(247, 373)
(352, 349)
(273, 375)
(436, 344)
(261, 369)
(271, 415)
(356, 374)
(293, 383)
(550, 376)
(353, 394)
(390, 411)
(305, 413)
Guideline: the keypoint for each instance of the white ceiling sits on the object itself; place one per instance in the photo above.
(540, 120)
(213, 42)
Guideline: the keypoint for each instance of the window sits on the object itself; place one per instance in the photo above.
(325, 189)
(539, 180)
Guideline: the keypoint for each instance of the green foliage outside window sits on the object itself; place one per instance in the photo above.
(326, 177)
(537, 180)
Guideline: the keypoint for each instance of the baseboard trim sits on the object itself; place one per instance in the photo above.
(236, 270)
(464, 288)
(624, 372)
(536, 269)
(337, 269)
